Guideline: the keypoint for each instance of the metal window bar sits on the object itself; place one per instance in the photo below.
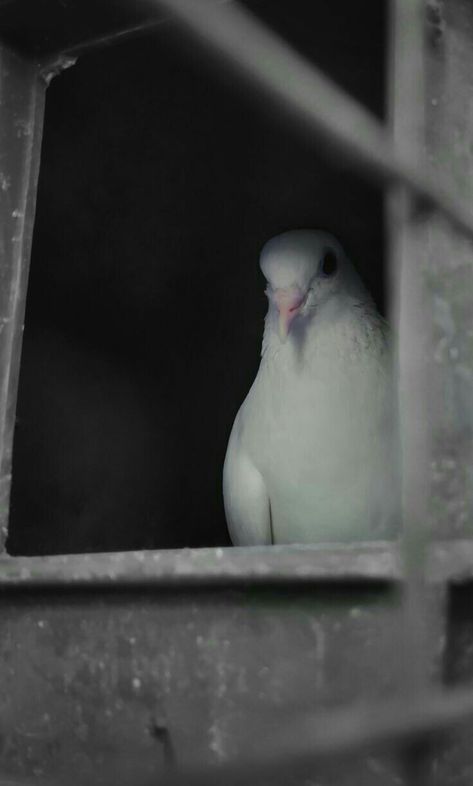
(317, 106)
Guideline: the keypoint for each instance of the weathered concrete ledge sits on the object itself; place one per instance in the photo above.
(378, 561)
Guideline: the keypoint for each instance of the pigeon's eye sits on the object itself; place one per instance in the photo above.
(329, 264)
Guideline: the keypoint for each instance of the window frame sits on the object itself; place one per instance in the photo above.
(390, 158)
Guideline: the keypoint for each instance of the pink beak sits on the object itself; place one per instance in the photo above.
(288, 302)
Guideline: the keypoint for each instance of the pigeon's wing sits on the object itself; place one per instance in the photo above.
(245, 497)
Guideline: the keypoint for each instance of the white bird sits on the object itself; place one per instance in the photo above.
(312, 454)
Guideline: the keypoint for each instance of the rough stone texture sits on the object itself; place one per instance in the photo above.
(448, 272)
(90, 679)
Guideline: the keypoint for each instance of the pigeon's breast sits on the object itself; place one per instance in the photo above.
(323, 442)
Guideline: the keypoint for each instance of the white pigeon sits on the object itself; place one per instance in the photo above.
(312, 454)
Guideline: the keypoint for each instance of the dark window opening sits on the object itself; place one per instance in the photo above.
(160, 182)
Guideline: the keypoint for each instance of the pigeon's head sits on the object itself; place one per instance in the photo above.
(305, 270)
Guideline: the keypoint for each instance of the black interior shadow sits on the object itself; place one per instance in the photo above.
(161, 179)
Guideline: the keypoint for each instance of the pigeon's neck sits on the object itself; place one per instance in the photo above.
(337, 333)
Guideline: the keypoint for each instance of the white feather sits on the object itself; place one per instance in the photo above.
(312, 454)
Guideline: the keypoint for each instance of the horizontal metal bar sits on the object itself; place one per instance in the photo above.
(380, 561)
(320, 108)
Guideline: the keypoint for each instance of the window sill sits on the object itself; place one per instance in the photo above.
(377, 561)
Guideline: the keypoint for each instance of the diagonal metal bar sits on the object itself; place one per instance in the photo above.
(114, 37)
(286, 746)
(152, 23)
(320, 108)
(302, 742)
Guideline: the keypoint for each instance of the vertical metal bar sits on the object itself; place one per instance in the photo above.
(21, 120)
(406, 238)
(450, 266)
(405, 233)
